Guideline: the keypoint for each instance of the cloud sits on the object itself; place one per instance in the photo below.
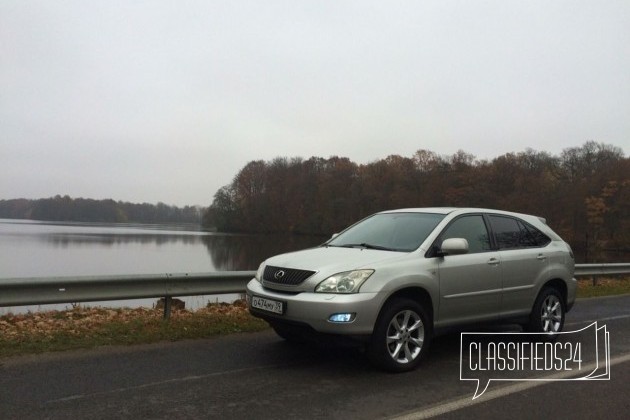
(166, 101)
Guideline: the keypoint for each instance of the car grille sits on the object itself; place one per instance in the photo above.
(285, 276)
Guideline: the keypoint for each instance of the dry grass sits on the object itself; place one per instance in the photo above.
(90, 327)
(604, 287)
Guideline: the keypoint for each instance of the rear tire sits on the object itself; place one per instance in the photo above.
(548, 312)
(401, 336)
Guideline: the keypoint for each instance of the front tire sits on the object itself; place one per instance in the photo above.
(401, 336)
(548, 312)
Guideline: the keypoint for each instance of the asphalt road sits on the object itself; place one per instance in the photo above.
(260, 376)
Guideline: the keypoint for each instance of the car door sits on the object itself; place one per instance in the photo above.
(524, 260)
(470, 284)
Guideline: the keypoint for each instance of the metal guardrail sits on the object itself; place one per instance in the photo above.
(43, 290)
(601, 269)
(37, 291)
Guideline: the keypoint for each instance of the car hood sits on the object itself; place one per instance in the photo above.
(331, 260)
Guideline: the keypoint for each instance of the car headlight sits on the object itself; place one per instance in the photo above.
(259, 273)
(346, 282)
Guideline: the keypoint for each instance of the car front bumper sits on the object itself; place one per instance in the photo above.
(315, 309)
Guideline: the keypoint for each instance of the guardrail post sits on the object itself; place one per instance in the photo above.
(168, 300)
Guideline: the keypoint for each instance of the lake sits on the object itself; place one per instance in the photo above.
(50, 249)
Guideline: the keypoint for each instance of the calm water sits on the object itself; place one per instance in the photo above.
(46, 249)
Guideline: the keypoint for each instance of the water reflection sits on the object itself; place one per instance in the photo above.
(36, 249)
(113, 239)
(228, 252)
(246, 252)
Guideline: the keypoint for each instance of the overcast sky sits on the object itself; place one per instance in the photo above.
(148, 101)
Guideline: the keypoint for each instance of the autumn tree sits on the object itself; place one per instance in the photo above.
(583, 193)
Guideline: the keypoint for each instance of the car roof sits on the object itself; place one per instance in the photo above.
(462, 210)
(437, 210)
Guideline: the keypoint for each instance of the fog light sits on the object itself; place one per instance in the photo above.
(342, 317)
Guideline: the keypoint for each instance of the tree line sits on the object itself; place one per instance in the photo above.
(584, 193)
(65, 208)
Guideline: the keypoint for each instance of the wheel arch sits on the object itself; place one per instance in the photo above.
(417, 294)
(559, 285)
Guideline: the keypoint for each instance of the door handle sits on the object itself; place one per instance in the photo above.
(541, 257)
(493, 261)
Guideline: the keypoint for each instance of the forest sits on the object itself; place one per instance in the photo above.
(64, 209)
(583, 193)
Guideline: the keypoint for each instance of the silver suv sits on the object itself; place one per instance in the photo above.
(396, 278)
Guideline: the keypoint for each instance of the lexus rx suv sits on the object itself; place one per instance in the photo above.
(396, 278)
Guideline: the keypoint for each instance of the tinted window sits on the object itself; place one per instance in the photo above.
(471, 228)
(512, 233)
(526, 239)
(540, 239)
(506, 231)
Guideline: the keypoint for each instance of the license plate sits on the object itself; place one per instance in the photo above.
(269, 305)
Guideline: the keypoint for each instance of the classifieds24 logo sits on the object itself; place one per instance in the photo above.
(566, 356)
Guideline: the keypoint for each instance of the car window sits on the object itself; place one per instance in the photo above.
(506, 231)
(539, 238)
(512, 233)
(473, 229)
(392, 231)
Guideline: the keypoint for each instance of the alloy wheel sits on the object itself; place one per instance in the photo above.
(551, 314)
(405, 336)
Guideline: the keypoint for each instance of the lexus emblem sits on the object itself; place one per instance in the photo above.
(279, 275)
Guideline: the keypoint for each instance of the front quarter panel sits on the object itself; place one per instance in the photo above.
(413, 272)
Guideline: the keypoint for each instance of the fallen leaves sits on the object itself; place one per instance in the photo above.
(80, 321)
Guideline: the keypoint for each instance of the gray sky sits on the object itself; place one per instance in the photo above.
(168, 100)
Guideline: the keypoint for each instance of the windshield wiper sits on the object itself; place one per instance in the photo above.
(366, 246)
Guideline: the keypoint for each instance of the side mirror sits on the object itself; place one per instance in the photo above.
(454, 246)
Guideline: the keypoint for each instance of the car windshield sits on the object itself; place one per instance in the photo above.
(389, 231)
